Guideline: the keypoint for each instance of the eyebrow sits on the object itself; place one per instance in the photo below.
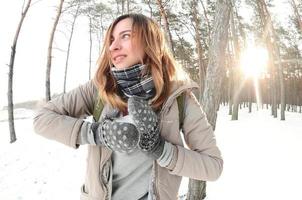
(128, 30)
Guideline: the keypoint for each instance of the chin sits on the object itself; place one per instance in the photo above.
(120, 66)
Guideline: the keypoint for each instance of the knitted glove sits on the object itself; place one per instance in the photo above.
(117, 134)
(146, 122)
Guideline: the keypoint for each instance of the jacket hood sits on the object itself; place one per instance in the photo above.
(179, 86)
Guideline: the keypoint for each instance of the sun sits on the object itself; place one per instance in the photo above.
(253, 61)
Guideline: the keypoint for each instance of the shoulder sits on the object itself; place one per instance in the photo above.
(89, 89)
(181, 86)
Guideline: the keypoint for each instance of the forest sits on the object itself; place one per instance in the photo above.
(240, 52)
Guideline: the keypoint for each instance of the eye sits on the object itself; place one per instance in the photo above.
(111, 40)
(126, 36)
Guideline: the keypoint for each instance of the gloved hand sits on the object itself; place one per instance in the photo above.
(146, 122)
(115, 133)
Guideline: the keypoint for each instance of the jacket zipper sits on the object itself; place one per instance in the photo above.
(162, 112)
(155, 183)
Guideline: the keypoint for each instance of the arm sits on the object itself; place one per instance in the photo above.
(61, 119)
(203, 161)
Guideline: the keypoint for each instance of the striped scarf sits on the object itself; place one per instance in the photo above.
(131, 82)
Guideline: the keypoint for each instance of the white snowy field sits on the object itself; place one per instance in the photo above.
(262, 160)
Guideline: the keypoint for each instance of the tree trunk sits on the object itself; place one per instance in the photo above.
(199, 48)
(163, 13)
(150, 7)
(250, 91)
(123, 6)
(213, 83)
(215, 69)
(298, 17)
(207, 19)
(102, 31)
(49, 54)
(117, 7)
(236, 74)
(128, 6)
(10, 101)
(272, 81)
(277, 53)
(263, 18)
(90, 47)
(236, 78)
(230, 78)
(274, 95)
(274, 47)
(230, 86)
(69, 44)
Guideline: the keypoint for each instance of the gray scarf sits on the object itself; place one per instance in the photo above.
(132, 82)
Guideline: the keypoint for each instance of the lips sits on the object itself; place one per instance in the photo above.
(118, 58)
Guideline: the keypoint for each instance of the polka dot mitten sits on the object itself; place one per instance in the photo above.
(146, 122)
(118, 135)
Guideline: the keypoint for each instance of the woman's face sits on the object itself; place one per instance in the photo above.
(125, 50)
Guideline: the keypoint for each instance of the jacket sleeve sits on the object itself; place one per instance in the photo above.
(202, 161)
(61, 118)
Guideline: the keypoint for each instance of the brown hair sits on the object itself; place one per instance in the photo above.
(158, 59)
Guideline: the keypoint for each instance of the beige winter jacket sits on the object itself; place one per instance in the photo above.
(61, 120)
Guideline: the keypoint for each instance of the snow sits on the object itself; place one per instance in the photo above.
(262, 157)
(262, 160)
(37, 168)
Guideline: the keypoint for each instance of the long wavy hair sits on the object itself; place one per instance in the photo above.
(157, 57)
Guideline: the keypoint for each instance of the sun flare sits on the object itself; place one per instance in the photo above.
(253, 61)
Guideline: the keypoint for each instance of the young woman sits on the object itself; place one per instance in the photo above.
(135, 150)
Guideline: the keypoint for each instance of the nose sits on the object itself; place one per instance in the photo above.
(115, 45)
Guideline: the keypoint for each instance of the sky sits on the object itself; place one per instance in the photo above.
(30, 61)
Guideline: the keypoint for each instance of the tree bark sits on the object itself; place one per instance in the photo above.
(49, 54)
(236, 78)
(213, 83)
(236, 73)
(207, 19)
(230, 90)
(90, 47)
(250, 96)
(275, 48)
(298, 17)
(128, 6)
(230, 72)
(215, 69)
(266, 35)
(199, 48)
(123, 6)
(117, 7)
(163, 14)
(69, 45)
(10, 101)
(148, 2)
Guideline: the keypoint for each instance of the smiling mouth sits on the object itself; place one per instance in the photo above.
(119, 58)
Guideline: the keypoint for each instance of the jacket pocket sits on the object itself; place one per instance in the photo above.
(84, 194)
(105, 173)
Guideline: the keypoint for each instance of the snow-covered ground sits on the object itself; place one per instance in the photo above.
(262, 160)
